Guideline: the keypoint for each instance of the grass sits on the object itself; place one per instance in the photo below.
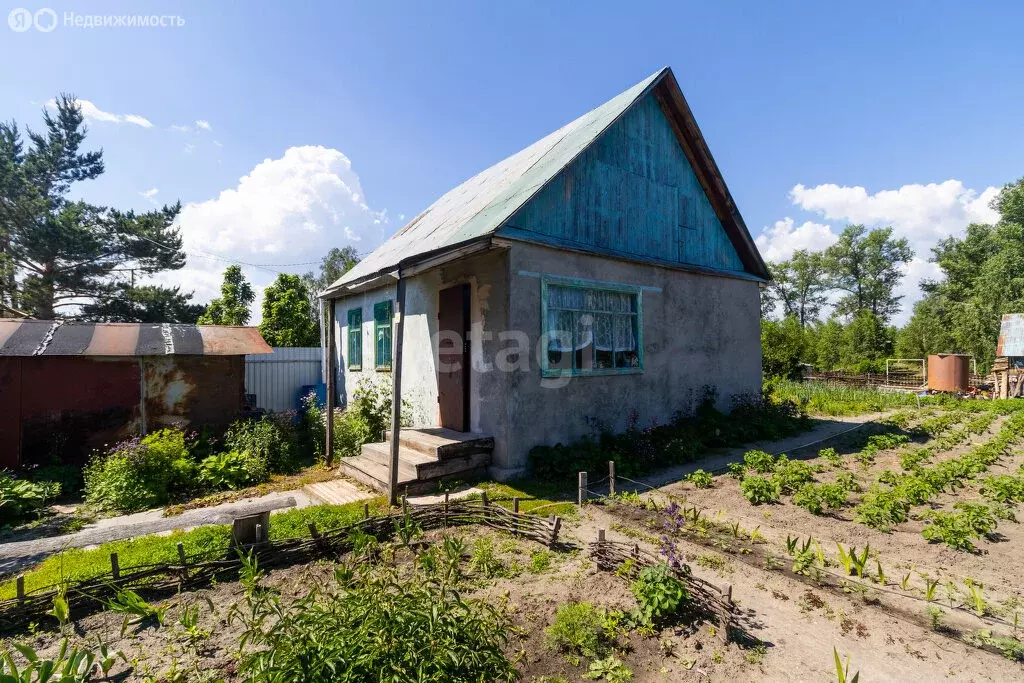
(539, 498)
(80, 564)
(822, 399)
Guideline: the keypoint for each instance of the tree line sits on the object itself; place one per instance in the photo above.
(855, 281)
(63, 257)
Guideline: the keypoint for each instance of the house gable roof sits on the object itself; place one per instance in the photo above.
(480, 206)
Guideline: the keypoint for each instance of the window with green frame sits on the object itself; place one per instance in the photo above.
(591, 328)
(355, 339)
(382, 335)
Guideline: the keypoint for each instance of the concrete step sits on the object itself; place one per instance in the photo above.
(443, 443)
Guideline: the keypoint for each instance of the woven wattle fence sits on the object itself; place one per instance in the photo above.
(199, 570)
(708, 598)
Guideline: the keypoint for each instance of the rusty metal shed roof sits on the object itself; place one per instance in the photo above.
(480, 206)
(65, 338)
(1011, 336)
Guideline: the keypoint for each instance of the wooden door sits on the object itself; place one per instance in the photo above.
(453, 357)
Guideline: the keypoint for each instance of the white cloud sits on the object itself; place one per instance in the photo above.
(923, 214)
(289, 210)
(149, 194)
(188, 148)
(180, 128)
(93, 113)
(203, 124)
(778, 242)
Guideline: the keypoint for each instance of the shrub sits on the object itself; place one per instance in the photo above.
(759, 490)
(351, 431)
(233, 470)
(136, 474)
(18, 496)
(268, 439)
(577, 630)
(659, 595)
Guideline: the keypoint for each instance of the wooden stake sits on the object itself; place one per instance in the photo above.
(600, 535)
(396, 380)
(483, 498)
(329, 372)
(20, 587)
(554, 530)
(184, 564)
(115, 567)
(611, 477)
(515, 511)
(582, 497)
(366, 510)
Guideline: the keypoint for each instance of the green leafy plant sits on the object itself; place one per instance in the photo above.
(137, 473)
(610, 669)
(485, 559)
(540, 561)
(700, 479)
(233, 470)
(759, 490)
(19, 496)
(659, 594)
(72, 664)
(270, 440)
(759, 461)
(135, 609)
(791, 475)
(832, 456)
(577, 629)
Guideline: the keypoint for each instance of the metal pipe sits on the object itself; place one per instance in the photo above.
(396, 407)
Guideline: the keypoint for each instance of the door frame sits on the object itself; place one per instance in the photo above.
(467, 373)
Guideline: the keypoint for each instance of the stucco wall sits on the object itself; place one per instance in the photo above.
(698, 330)
(487, 276)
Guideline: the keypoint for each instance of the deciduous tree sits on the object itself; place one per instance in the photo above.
(287, 319)
(868, 266)
(232, 306)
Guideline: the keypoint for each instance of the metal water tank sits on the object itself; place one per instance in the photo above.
(949, 372)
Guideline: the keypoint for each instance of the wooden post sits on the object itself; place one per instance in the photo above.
(515, 520)
(20, 588)
(396, 377)
(115, 567)
(554, 530)
(329, 423)
(366, 510)
(600, 535)
(483, 498)
(582, 494)
(611, 477)
(445, 509)
(184, 563)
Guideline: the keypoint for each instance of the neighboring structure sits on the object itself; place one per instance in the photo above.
(599, 276)
(66, 387)
(276, 379)
(1009, 366)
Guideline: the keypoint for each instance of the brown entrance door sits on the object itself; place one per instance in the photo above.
(453, 357)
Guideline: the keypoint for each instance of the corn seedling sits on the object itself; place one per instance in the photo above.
(61, 611)
(845, 558)
(843, 671)
(979, 601)
(791, 544)
(820, 555)
(905, 583)
(135, 609)
(881, 574)
(929, 587)
(71, 665)
(859, 561)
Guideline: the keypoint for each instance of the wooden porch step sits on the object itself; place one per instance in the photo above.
(443, 443)
(417, 471)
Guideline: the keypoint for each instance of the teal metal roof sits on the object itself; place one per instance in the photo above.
(479, 206)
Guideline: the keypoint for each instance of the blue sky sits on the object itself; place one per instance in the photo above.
(349, 118)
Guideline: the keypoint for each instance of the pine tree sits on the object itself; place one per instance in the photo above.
(59, 257)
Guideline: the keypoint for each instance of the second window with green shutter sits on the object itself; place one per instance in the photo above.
(382, 335)
(355, 339)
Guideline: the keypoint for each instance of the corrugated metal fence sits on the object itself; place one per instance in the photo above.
(276, 378)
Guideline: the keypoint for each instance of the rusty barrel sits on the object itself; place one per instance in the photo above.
(949, 372)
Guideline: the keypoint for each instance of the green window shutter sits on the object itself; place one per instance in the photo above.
(355, 339)
(382, 335)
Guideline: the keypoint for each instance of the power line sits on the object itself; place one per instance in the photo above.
(262, 266)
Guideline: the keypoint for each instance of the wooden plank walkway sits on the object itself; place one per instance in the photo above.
(338, 492)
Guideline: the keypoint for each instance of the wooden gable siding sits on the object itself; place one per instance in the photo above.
(632, 193)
